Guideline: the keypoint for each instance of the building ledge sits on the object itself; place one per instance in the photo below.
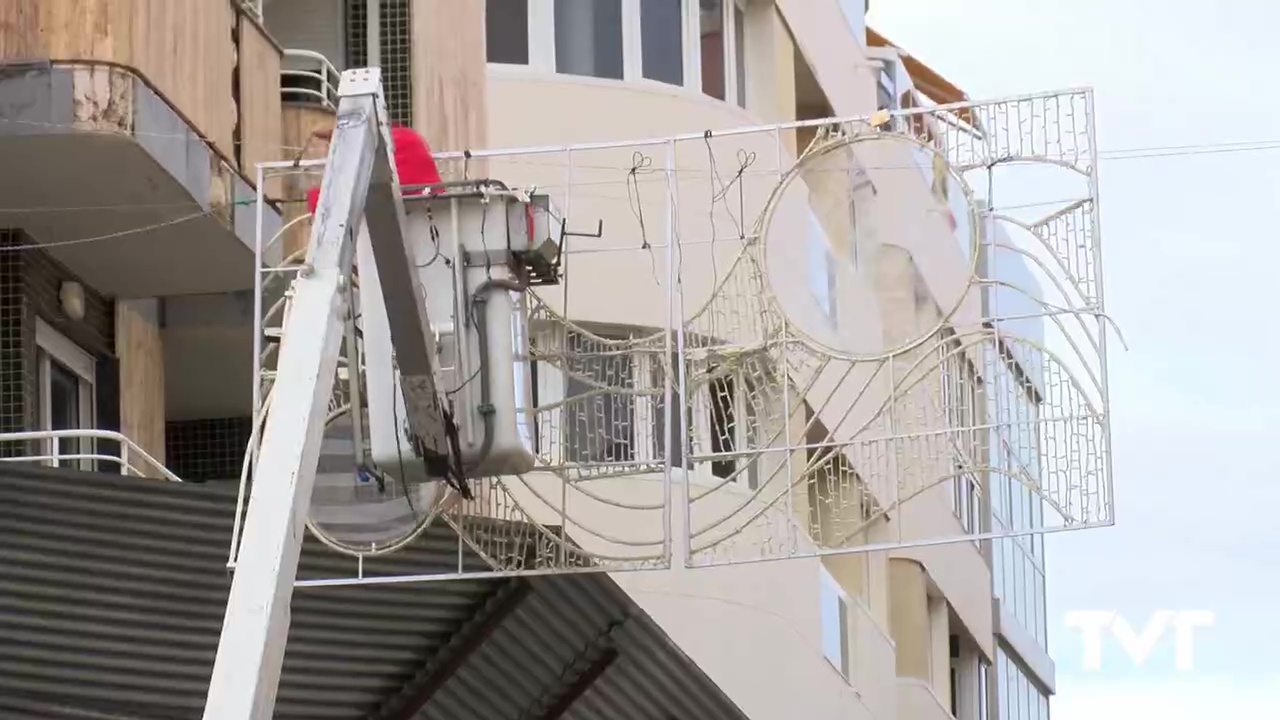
(1016, 639)
(119, 186)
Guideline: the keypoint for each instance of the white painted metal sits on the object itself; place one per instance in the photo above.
(251, 649)
(129, 451)
(315, 67)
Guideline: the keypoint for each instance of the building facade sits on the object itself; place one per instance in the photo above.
(128, 315)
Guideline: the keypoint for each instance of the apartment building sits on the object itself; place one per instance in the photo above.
(127, 323)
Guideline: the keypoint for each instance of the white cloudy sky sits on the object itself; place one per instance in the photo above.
(1190, 248)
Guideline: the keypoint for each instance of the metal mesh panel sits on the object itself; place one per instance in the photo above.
(211, 449)
(395, 31)
(944, 377)
(13, 387)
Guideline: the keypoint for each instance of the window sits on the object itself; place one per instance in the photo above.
(711, 24)
(66, 382)
(1019, 696)
(506, 26)
(822, 269)
(886, 87)
(731, 424)
(589, 38)
(716, 51)
(740, 53)
(861, 193)
(960, 406)
(662, 40)
(983, 670)
(835, 622)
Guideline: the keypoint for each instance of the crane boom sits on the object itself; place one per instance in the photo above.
(360, 186)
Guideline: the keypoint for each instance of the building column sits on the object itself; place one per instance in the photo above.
(140, 352)
(909, 618)
(450, 73)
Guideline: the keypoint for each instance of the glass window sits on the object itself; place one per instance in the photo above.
(712, 51)
(835, 629)
(589, 38)
(506, 29)
(661, 40)
(886, 87)
(63, 392)
(1040, 631)
(822, 269)
(1002, 685)
(724, 426)
(981, 690)
(66, 392)
(740, 53)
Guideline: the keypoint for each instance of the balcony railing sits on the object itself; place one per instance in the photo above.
(309, 77)
(130, 460)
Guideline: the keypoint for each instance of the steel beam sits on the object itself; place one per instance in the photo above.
(473, 634)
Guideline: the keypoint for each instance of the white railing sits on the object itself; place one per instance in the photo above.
(50, 443)
(316, 81)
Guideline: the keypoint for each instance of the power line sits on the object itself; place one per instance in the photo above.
(110, 236)
(1136, 153)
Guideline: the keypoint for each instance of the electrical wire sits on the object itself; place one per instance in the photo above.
(109, 236)
(1120, 154)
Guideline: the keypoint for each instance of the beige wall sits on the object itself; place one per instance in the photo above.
(918, 701)
(727, 618)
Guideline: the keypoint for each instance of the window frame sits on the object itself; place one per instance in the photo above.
(53, 346)
(542, 48)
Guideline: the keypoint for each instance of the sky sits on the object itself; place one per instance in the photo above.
(1189, 250)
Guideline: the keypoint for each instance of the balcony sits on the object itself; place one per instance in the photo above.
(137, 124)
(917, 701)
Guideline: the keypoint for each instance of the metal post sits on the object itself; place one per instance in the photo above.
(669, 396)
(373, 33)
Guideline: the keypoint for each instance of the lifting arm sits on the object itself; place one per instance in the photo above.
(359, 186)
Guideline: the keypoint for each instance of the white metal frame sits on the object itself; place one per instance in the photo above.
(53, 346)
(129, 451)
(1080, 506)
(325, 73)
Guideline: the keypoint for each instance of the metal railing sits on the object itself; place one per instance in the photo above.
(49, 442)
(315, 82)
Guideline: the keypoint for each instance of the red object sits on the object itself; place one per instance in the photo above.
(414, 164)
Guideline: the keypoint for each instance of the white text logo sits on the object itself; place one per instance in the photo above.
(1138, 645)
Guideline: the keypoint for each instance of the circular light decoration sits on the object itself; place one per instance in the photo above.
(859, 233)
(361, 510)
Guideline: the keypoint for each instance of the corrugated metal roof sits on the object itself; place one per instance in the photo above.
(112, 592)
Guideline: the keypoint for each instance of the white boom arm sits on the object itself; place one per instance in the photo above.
(360, 185)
